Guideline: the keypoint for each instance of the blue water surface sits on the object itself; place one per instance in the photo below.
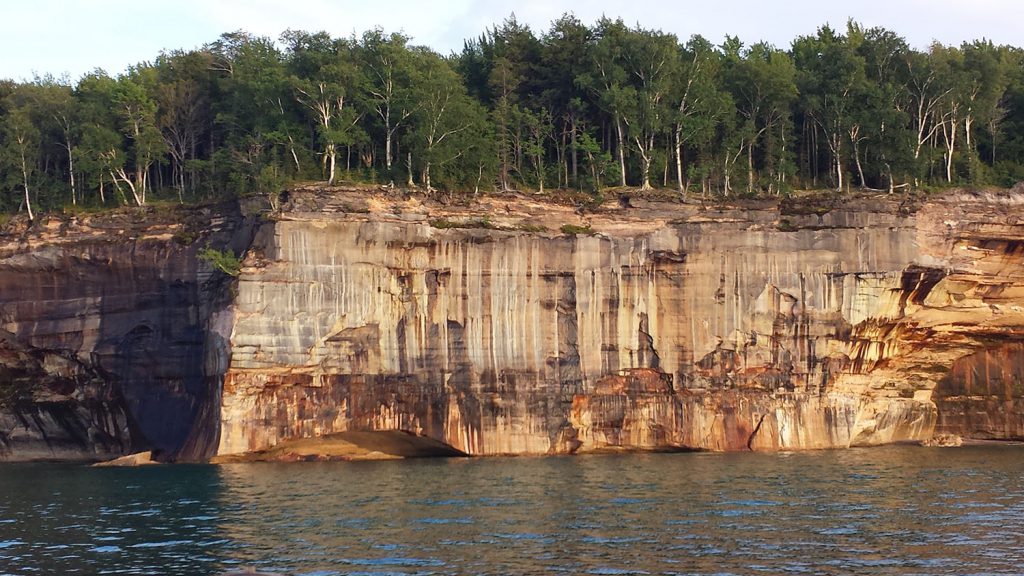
(893, 510)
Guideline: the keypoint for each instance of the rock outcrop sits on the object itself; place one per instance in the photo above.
(108, 339)
(488, 330)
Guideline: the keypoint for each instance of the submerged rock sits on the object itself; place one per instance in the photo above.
(944, 441)
(138, 459)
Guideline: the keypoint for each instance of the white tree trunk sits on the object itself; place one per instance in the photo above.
(24, 176)
(949, 135)
(331, 152)
(387, 139)
(679, 158)
(839, 174)
(622, 151)
(295, 157)
(855, 142)
(750, 168)
(645, 164)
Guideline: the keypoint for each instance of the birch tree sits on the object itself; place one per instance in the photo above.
(761, 81)
(326, 83)
(386, 62)
(650, 60)
(445, 118)
(832, 77)
(607, 81)
(19, 154)
(181, 92)
(137, 115)
(698, 100)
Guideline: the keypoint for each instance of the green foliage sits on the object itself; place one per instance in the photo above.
(446, 224)
(575, 230)
(573, 107)
(185, 237)
(224, 260)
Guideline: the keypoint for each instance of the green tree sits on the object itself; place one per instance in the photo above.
(563, 58)
(256, 112)
(699, 99)
(650, 60)
(607, 82)
(326, 81)
(831, 81)
(99, 130)
(989, 68)
(447, 122)
(136, 112)
(884, 113)
(387, 64)
(19, 154)
(182, 94)
(762, 83)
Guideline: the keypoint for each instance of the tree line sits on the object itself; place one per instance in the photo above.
(574, 107)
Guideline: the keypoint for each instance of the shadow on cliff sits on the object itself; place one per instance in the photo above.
(158, 348)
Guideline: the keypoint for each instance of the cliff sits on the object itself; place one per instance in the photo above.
(487, 330)
(106, 345)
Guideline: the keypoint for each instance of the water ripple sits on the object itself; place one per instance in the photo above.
(897, 510)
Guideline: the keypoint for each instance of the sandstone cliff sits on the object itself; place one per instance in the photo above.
(490, 331)
(106, 346)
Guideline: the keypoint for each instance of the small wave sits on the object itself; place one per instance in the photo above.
(164, 544)
(445, 520)
(394, 561)
(106, 549)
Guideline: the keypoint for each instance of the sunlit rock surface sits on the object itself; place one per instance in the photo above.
(672, 327)
(486, 330)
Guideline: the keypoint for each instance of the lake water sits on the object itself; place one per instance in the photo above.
(892, 510)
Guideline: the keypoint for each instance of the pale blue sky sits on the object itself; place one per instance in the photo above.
(72, 37)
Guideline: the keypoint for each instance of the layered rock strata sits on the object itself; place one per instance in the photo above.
(108, 342)
(492, 329)
(669, 327)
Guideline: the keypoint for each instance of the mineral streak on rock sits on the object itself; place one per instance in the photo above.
(670, 327)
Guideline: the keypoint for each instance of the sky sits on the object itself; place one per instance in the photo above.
(71, 37)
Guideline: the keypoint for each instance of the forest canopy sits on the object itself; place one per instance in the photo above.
(574, 106)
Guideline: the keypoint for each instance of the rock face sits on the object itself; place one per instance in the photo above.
(106, 338)
(671, 327)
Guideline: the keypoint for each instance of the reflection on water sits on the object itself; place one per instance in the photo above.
(895, 510)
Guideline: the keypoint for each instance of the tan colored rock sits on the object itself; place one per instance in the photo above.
(944, 441)
(669, 328)
(746, 327)
(137, 459)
